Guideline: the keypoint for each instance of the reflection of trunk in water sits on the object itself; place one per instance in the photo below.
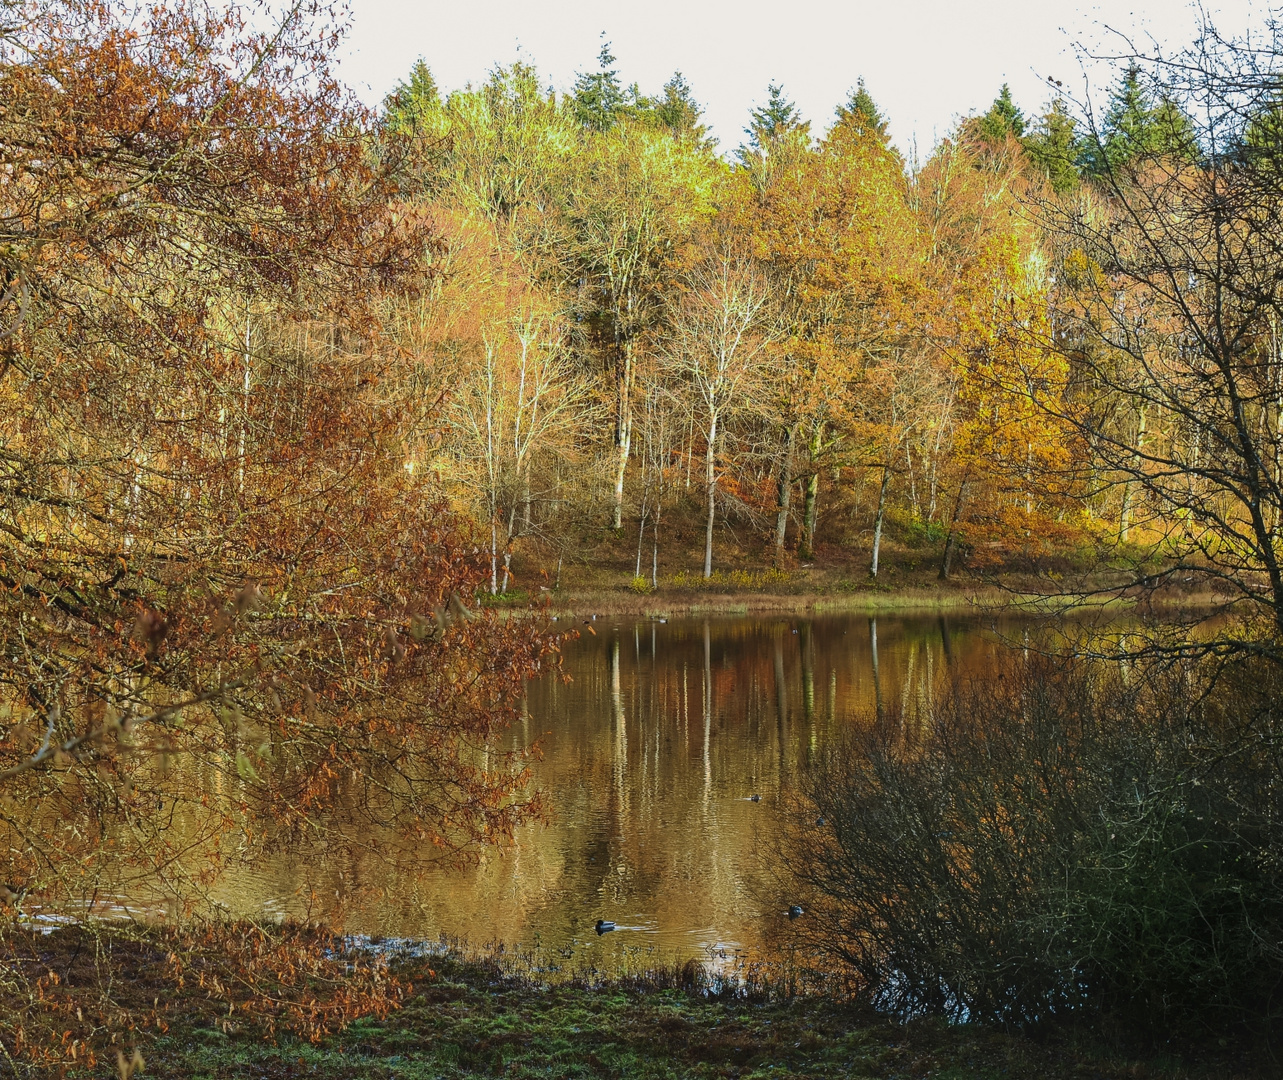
(877, 681)
(946, 642)
(686, 712)
(620, 729)
(808, 672)
(708, 709)
(781, 696)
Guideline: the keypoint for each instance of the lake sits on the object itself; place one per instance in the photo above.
(665, 755)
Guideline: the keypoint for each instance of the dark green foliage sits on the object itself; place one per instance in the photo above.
(414, 97)
(599, 99)
(1003, 120)
(677, 110)
(772, 125)
(861, 114)
(1262, 139)
(1061, 843)
(1140, 125)
(1055, 148)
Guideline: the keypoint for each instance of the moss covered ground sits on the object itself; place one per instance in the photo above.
(468, 1020)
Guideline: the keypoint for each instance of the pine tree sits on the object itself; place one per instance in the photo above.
(412, 99)
(1055, 148)
(772, 125)
(599, 99)
(678, 111)
(861, 114)
(1137, 128)
(1262, 136)
(1003, 119)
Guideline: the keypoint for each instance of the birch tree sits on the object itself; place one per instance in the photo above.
(719, 349)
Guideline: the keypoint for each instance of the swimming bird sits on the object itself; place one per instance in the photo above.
(604, 927)
(794, 911)
(755, 798)
(820, 822)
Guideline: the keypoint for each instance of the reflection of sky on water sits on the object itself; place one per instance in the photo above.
(651, 754)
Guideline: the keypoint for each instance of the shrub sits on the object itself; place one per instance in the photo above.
(640, 585)
(1057, 842)
(735, 579)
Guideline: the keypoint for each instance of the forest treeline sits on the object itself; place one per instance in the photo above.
(812, 338)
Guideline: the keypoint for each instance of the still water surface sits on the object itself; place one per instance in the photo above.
(652, 754)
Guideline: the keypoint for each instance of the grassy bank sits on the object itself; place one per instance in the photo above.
(241, 1001)
(675, 603)
(804, 597)
(600, 580)
(469, 1019)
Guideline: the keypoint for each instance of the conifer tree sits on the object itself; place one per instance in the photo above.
(772, 125)
(599, 98)
(1137, 127)
(678, 111)
(1004, 118)
(1054, 146)
(861, 114)
(412, 99)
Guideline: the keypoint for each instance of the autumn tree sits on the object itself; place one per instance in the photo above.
(718, 348)
(220, 578)
(635, 204)
(835, 232)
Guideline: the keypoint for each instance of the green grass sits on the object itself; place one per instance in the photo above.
(471, 1021)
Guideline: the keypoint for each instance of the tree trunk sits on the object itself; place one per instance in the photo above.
(951, 541)
(623, 432)
(877, 521)
(494, 556)
(710, 479)
(806, 549)
(785, 494)
(507, 546)
(1125, 511)
(654, 549)
(641, 535)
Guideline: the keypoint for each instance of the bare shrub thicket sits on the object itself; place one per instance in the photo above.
(1060, 841)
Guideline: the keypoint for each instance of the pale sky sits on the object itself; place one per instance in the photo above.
(926, 62)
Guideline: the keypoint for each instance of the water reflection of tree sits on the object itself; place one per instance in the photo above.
(654, 746)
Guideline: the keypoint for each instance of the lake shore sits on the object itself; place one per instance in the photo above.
(467, 1017)
(682, 603)
(909, 600)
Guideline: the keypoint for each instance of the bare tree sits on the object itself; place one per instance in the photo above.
(1169, 309)
(719, 349)
(523, 396)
